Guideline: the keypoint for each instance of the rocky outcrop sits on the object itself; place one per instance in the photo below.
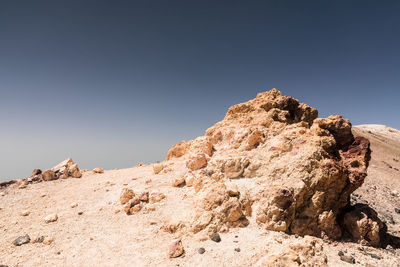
(67, 168)
(298, 170)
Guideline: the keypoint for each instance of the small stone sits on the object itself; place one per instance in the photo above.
(39, 239)
(117, 211)
(175, 249)
(189, 180)
(232, 190)
(126, 195)
(22, 186)
(25, 213)
(51, 218)
(394, 193)
(237, 249)
(134, 209)
(156, 197)
(397, 210)
(98, 170)
(157, 168)
(144, 196)
(134, 201)
(201, 250)
(36, 172)
(178, 182)
(80, 212)
(215, 237)
(348, 259)
(2, 265)
(48, 241)
(22, 240)
(374, 256)
(149, 209)
(74, 205)
(340, 253)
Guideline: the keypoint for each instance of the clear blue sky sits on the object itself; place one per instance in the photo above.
(114, 83)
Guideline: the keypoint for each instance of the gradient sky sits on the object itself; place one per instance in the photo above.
(115, 83)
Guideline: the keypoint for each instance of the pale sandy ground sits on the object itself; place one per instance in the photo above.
(100, 237)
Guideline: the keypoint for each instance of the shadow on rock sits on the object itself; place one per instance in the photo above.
(363, 225)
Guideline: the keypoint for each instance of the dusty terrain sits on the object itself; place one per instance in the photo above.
(93, 229)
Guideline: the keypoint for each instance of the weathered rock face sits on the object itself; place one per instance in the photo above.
(296, 171)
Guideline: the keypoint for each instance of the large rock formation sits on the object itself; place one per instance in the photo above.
(294, 170)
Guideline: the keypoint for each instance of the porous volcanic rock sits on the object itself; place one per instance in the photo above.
(296, 171)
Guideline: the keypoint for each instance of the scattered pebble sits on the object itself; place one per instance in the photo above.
(48, 241)
(202, 250)
(98, 170)
(215, 237)
(178, 182)
(340, 253)
(39, 239)
(397, 210)
(25, 213)
(51, 218)
(348, 259)
(237, 249)
(22, 186)
(374, 256)
(22, 240)
(74, 205)
(175, 249)
(80, 212)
